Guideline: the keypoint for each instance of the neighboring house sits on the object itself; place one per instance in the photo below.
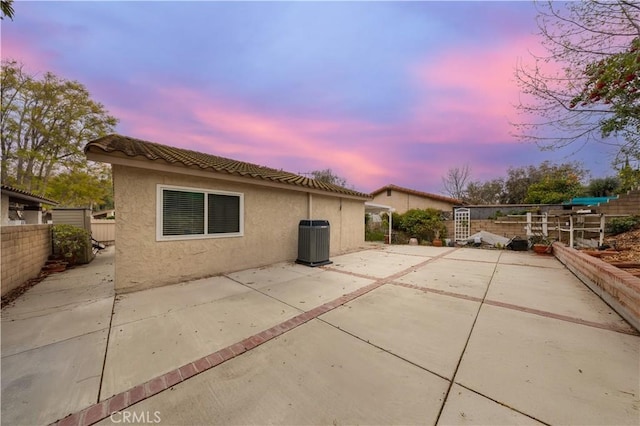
(184, 215)
(104, 214)
(21, 207)
(403, 199)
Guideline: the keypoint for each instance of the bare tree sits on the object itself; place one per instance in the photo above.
(577, 92)
(328, 176)
(455, 181)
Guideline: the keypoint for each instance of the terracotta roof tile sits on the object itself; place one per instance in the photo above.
(418, 193)
(132, 147)
(35, 197)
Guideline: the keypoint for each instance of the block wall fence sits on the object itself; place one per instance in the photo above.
(618, 288)
(25, 249)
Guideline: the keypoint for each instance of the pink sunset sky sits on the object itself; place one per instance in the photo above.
(382, 93)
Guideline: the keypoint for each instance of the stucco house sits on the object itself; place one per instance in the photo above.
(403, 199)
(184, 215)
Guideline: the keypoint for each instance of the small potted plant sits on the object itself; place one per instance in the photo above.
(436, 242)
(540, 244)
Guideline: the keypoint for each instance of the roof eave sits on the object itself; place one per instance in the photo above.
(94, 153)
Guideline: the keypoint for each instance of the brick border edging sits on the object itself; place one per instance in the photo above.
(617, 288)
(103, 409)
(126, 399)
(118, 402)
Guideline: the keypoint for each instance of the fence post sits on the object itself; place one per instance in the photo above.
(571, 231)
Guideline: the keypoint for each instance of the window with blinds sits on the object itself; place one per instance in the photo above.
(185, 213)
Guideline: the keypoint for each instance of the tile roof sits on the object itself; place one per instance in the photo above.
(418, 193)
(152, 151)
(30, 196)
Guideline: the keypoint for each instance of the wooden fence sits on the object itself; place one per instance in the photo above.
(104, 230)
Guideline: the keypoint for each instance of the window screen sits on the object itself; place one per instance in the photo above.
(224, 214)
(182, 212)
(194, 213)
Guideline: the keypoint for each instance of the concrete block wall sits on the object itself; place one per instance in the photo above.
(507, 230)
(618, 288)
(628, 203)
(25, 249)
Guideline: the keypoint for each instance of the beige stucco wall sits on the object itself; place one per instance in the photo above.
(402, 202)
(270, 230)
(25, 249)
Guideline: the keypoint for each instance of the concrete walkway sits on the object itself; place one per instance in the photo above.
(391, 335)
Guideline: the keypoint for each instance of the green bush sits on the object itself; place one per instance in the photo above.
(619, 225)
(70, 241)
(426, 225)
(395, 224)
(374, 235)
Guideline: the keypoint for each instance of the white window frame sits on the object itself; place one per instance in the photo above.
(159, 213)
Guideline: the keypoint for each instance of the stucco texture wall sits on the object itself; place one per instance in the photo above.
(271, 217)
(25, 249)
(402, 202)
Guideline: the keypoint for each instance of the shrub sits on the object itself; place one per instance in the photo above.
(425, 225)
(619, 225)
(70, 241)
(374, 235)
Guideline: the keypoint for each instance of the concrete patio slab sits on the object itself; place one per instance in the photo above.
(141, 350)
(423, 251)
(475, 255)
(551, 290)
(464, 407)
(385, 353)
(529, 259)
(313, 375)
(555, 371)
(376, 263)
(273, 274)
(408, 323)
(20, 335)
(308, 292)
(451, 275)
(172, 298)
(45, 384)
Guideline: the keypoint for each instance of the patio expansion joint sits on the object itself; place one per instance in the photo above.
(123, 400)
(466, 343)
(106, 349)
(55, 343)
(502, 403)
(519, 308)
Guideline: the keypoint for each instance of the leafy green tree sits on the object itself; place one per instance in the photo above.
(555, 187)
(604, 187)
(44, 124)
(629, 177)
(80, 187)
(425, 224)
(585, 87)
(328, 176)
(6, 9)
(521, 179)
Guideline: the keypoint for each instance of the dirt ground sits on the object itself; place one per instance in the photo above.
(627, 246)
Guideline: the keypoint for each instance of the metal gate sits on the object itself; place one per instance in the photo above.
(461, 224)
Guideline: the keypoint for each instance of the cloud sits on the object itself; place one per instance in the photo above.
(472, 90)
(187, 118)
